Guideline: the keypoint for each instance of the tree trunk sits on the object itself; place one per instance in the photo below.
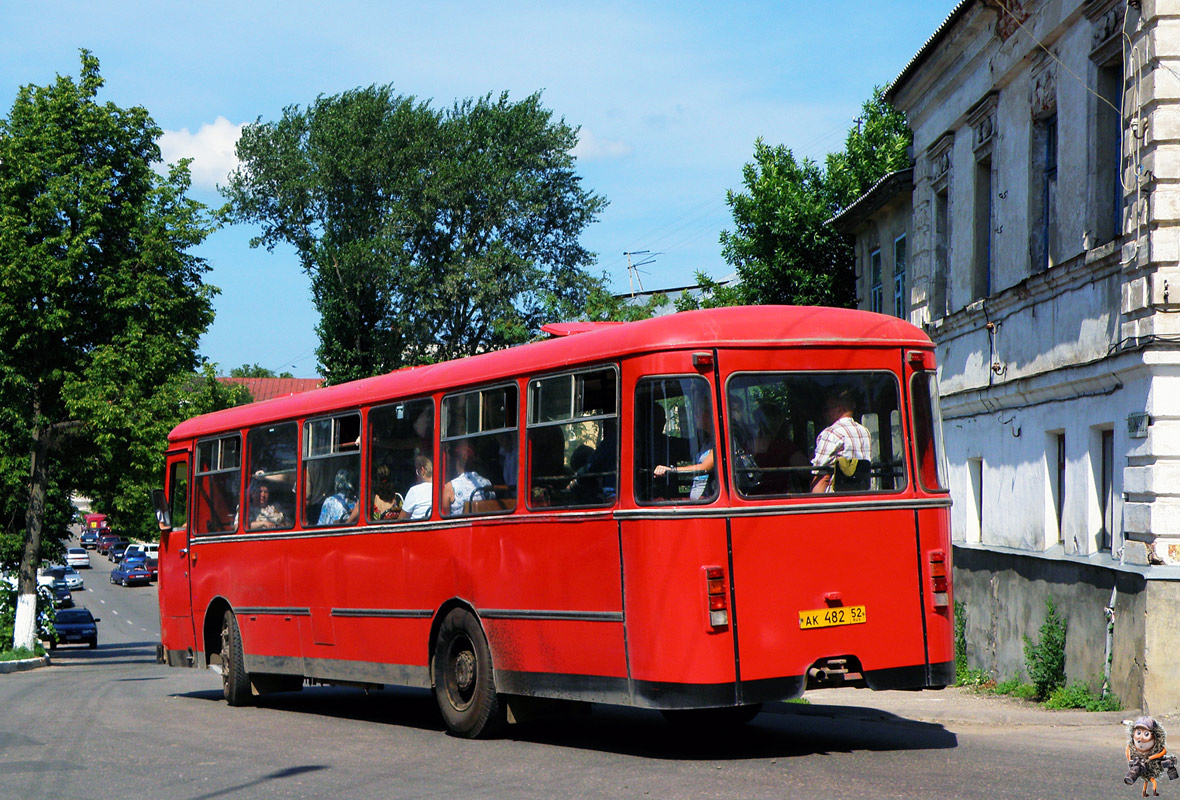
(25, 628)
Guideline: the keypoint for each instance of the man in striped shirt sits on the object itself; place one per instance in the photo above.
(843, 438)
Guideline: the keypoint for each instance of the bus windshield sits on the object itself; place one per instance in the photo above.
(800, 433)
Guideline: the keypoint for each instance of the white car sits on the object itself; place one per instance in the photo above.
(73, 579)
(77, 557)
(150, 549)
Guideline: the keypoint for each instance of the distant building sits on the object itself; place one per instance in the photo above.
(1037, 240)
(269, 388)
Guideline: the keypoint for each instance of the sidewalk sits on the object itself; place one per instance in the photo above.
(961, 706)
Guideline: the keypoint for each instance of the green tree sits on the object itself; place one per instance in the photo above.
(781, 248)
(102, 303)
(427, 234)
(256, 371)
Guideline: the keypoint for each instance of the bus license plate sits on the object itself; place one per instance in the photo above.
(829, 617)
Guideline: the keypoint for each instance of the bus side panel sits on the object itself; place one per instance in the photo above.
(676, 658)
(250, 576)
(549, 594)
(786, 565)
(935, 527)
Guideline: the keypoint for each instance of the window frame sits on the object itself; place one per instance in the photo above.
(571, 419)
(905, 482)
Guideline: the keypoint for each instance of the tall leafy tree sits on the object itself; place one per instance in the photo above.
(102, 305)
(780, 247)
(427, 234)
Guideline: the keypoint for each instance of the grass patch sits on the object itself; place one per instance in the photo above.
(21, 653)
(1078, 695)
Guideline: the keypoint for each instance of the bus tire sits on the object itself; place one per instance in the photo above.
(463, 682)
(235, 682)
(707, 718)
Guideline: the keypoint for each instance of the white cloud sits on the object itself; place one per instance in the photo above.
(211, 148)
(591, 148)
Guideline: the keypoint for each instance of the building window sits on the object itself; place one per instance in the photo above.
(1045, 179)
(1057, 481)
(940, 299)
(984, 224)
(1106, 490)
(975, 474)
(875, 296)
(1107, 155)
(901, 304)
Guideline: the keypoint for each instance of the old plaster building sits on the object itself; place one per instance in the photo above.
(1037, 240)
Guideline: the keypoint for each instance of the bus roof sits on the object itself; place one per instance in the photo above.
(736, 326)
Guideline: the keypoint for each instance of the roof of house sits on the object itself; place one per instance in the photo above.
(269, 388)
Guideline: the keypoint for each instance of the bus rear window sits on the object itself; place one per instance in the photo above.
(801, 433)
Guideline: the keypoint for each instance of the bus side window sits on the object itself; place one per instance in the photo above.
(218, 480)
(573, 437)
(401, 461)
(270, 501)
(331, 470)
(479, 461)
(674, 441)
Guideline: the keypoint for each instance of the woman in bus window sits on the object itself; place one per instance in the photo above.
(341, 508)
(419, 497)
(386, 502)
(266, 513)
(460, 488)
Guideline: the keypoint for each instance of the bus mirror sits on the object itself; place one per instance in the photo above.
(160, 503)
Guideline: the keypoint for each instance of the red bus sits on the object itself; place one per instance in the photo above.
(623, 513)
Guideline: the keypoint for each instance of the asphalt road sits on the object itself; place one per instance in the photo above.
(112, 723)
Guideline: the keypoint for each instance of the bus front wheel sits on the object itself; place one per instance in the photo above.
(463, 681)
(235, 682)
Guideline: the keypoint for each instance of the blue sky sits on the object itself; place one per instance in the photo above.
(670, 97)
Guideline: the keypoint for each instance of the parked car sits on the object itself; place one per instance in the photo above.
(74, 626)
(77, 557)
(73, 579)
(89, 539)
(128, 574)
(61, 594)
(116, 550)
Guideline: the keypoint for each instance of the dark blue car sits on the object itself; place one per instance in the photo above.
(128, 574)
(74, 626)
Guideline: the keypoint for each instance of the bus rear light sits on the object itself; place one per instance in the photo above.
(940, 584)
(716, 598)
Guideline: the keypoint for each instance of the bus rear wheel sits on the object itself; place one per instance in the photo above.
(463, 680)
(235, 682)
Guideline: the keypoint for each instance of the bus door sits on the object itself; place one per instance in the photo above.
(825, 562)
(674, 545)
(176, 618)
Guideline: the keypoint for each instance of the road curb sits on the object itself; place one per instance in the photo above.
(23, 665)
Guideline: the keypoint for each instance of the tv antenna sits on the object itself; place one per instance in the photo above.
(633, 271)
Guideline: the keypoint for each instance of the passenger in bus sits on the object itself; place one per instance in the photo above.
(460, 489)
(509, 461)
(266, 514)
(341, 508)
(702, 469)
(784, 466)
(387, 503)
(420, 496)
(843, 449)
